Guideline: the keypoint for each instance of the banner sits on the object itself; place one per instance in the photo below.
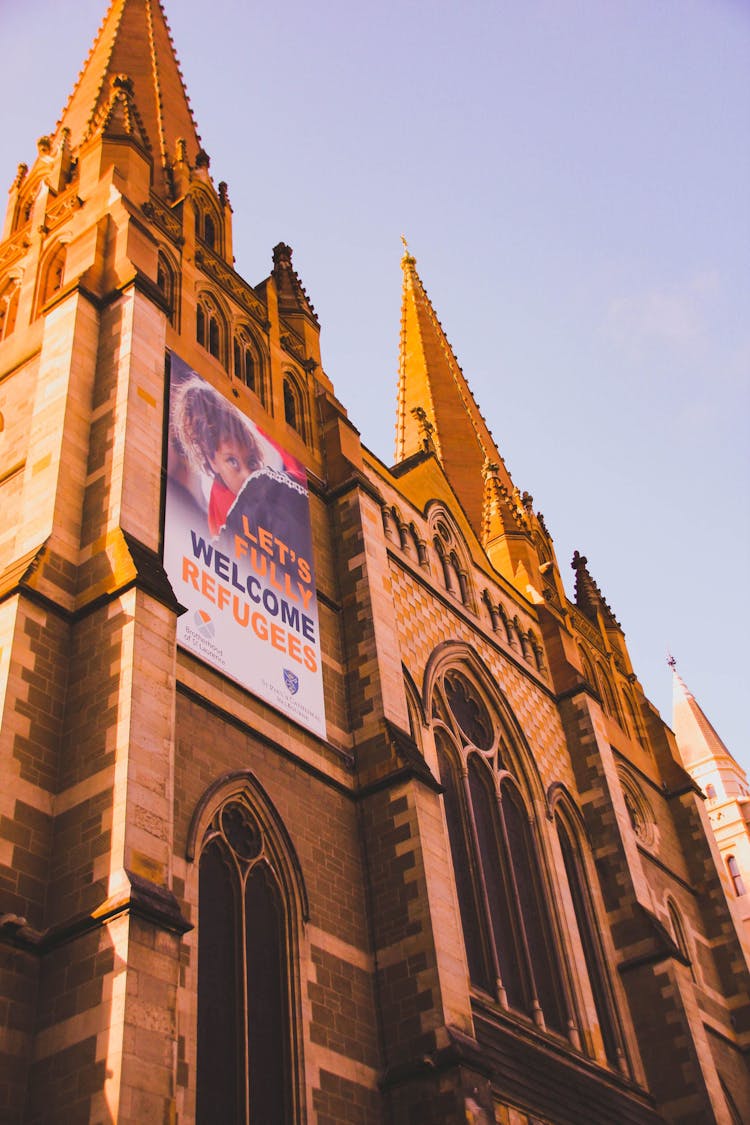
(238, 550)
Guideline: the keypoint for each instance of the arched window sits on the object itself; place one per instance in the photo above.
(209, 327)
(244, 1003)
(52, 276)
(593, 954)
(166, 282)
(209, 232)
(508, 932)
(294, 413)
(453, 555)
(246, 362)
(9, 295)
(607, 692)
(587, 666)
(736, 875)
(207, 224)
(678, 933)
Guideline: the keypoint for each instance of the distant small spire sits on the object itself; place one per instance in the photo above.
(697, 739)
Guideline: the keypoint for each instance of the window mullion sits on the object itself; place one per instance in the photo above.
(525, 959)
(243, 1036)
(487, 932)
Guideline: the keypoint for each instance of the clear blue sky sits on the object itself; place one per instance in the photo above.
(573, 179)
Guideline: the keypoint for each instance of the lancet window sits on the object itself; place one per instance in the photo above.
(508, 930)
(207, 225)
(294, 409)
(452, 555)
(166, 280)
(591, 945)
(209, 327)
(52, 275)
(244, 996)
(245, 361)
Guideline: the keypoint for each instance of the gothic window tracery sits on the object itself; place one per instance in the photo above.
(294, 411)
(452, 556)
(508, 930)
(207, 223)
(210, 329)
(244, 1050)
(639, 811)
(246, 361)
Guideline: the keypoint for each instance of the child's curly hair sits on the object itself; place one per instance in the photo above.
(202, 419)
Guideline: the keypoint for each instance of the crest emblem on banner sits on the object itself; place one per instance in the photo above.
(291, 681)
(203, 624)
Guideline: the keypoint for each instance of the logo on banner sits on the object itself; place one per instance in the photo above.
(291, 681)
(204, 626)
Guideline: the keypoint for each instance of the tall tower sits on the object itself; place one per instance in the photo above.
(725, 785)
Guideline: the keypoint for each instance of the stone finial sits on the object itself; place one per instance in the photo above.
(425, 428)
(123, 82)
(282, 253)
(44, 146)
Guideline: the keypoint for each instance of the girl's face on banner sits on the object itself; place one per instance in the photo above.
(231, 463)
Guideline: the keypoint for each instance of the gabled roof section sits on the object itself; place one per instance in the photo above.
(134, 50)
(589, 597)
(696, 738)
(291, 292)
(436, 409)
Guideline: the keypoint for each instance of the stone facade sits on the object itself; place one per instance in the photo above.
(490, 891)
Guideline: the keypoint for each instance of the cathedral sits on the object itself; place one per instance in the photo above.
(322, 803)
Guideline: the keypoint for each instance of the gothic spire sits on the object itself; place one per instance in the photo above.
(696, 738)
(434, 398)
(134, 51)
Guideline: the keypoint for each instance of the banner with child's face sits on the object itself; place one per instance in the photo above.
(238, 550)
